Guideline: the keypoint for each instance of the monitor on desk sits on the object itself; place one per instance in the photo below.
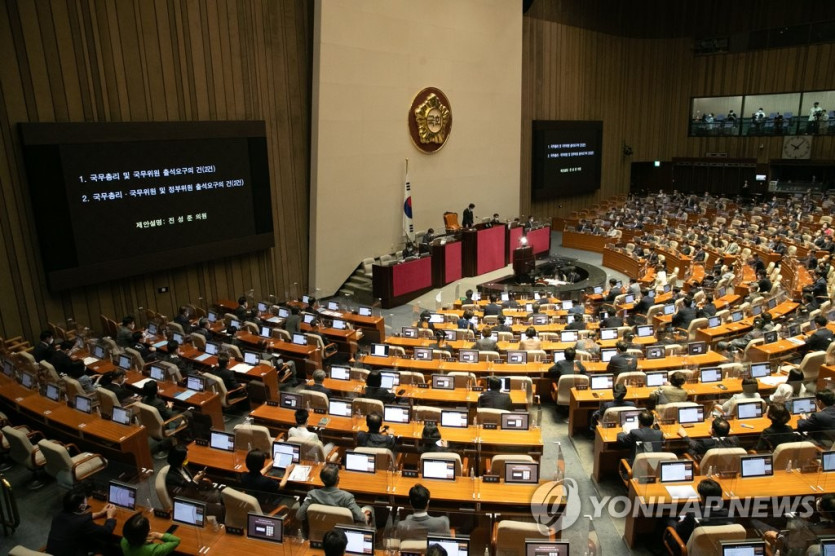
(157, 373)
(546, 548)
(508, 321)
(760, 370)
(696, 348)
(515, 421)
(441, 469)
(608, 333)
(364, 311)
(558, 355)
(828, 461)
(655, 352)
(290, 400)
(517, 357)
(53, 392)
(676, 471)
(721, 292)
(656, 378)
(300, 339)
(569, 336)
(645, 331)
(454, 418)
(342, 408)
(189, 512)
(629, 417)
(409, 332)
(669, 309)
(396, 414)
(380, 350)
(436, 318)
(308, 318)
(423, 354)
(713, 322)
(749, 410)
(450, 335)
(8, 368)
(285, 453)
(529, 307)
(602, 382)
(468, 355)
(756, 466)
(629, 298)
(283, 312)
(263, 307)
(736, 316)
(476, 296)
(443, 382)
(121, 495)
(212, 316)
(667, 288)
(770, 337)
(517, 472)
(689, 415)
(195, 383)
(121, 415)
(27, 379)
(794, 329)
(83, 403)
(266, 332)
(539, 319)
(306, 299)
(152, 329)
(220, 440)
(333, 306)
(340, 373)
(566, 304)
(177, 337)
(389, 380)
(598, 289)
(265, 527)
(505, 296)
(212, 348)
(710, 374)
(803, 405)
(252, 358)
(827, 546)
(570, 318)
(360, 541)
(361, 463)
(771, 303)
(99, 352)
(606, 354)
(757, 310)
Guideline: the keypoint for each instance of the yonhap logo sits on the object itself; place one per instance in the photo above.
(547, 504)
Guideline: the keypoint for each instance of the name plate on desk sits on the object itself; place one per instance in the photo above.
(609, 425)
(422, 385)
(162, 513)
(239, 531)
(433, 423)
(319, 411)
(201, 441)
(582, 387)
(490, 478)
(490, 426)
(410, 473)
(478, 388)
(272, 403)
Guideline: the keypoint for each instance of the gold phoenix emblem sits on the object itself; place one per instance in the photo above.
(430, 120)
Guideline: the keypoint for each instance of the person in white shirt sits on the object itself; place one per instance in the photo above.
(749, 392)
(300, 430)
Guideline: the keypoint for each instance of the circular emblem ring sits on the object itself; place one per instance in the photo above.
(430, 120)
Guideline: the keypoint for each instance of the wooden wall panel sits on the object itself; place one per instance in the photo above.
(641, 90)
(160, 60)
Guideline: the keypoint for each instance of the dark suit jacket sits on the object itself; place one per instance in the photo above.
(64, 364)
(621, 363)
(495, 399)
(319, 388)
(293, 324)
(75, 534)
(578, 324)
(227, 376)
(375, 440)
(685, 527)
(653, 437)
(819, 340)
(699, 446)
(467, 218)
(684, 316)
(565, 368)
(43, 351)
(377, 393)
(819, 421)
(492, 309)
(121, 392)
(775, 435)
(611, 322)
(643, 305)
(256, 484)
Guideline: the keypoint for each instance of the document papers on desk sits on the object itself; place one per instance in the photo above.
(797, 341)
(680, 492)
(90, 360)
(185, 394)
(300, 473)
(242, 368)
(160, 344)
(202, 356)
(774, 380)
(140, 383)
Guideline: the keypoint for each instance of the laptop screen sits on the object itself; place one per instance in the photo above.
(567, 304)
(396, 414)
(212, 316)
(333, 306)
(265, 527)
(341, 408)
(338, 324)
(458, 546)
(124, 362)
(362, 463)
(157, 373)
(285, 453)
(713, 322)
(569, 336)
(679, 471)
(196, 383)
(644, 331)
(772, 303)
(389, 380)
(539, 319)
(827, 547)
(27, 379)
(736, 316)
(759, 370)
(669, 309)
(52, 392)
(755, 466)
(283, 312)
(220, 440)
(453, 418)
(380, 350)
(608, 333)
(598, 289)
(152, 329)
(770, 337)
(450, 335)
(606, 354)
(365, 311)
(121, 415)
(756, 310)
(212, 348)
(423, 354)
(828, 461)
(189, 512)
(515, 421)
(436, 318)
(443, 382)
(602, 382)
(517, 357)
(749, 410)
(438, 469)
(546, 548)
(710, 374)
(629, 416)
(687, 415)
(99, 352)
(262, 307)
(177, 337)
(559, 355)
(656, 378)
(265, 332)
(803, 405)
(521, 472)
(290, 400)
(468, 355)
(300, 339)
(121, 495)
(360, 541)
(251, 358)
(83, 403)
(340, 373)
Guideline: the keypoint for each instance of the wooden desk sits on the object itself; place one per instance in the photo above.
(207, 403)
(400, 283)
(622, 262)
(265, 373)
(785, 346)
(422, 396)
(309, 356)
(584, 241)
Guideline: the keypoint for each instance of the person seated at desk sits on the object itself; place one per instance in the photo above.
(511, 302)
(331, 495)
(613, 292)
(779, 431)
(468, 298)
(750, 388)
(65, 365)
(634, 288)
(685, 315)
(494, 397)
(501, 326)
(203, 328)
(116, 384)
(621, 361)
(588, 345)
(182, 318)
(739, 344)
(293, 323)
(172, 355)
(712, 511)
(568, 366)
(419, 523)
(138, 539)
(763, 283)
(820, 339)
(180, 482)
(222, 371)
(430, 439)
(719, 438)
(531, 340)
(618, 400)
(440, 341)
(147, 353)
(672, 392)
(644, 304)
(374, 438)
(301, 431)
(492, 308)
(535, 308)
(265, 489)
(334, 542)
(464, 323)
(242, 311)
(708, 309)
(428, 237)
(486, 342)
(124, 336)
(629, 340)
(645, 438)
(374, 389)
(73, 530)
(319, 383)
(824, 418)
(612, 320)
(423, 320)
(578, 323)
(45, 348)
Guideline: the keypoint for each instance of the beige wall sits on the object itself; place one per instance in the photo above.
(370, 59)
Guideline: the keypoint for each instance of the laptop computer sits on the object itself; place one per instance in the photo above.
(380, 350)
(608, 333)
(803, 405)
(749, 410)
(409, 332)
(760, 370)
(423, 354)
(677, 471)
(220, 440)
(606, 354)
(760, 465)
(84, 404)
(361, 463)
(454, 546)
(289, 400)
(189, 512)
(284, 453)
(690, 415)
(443, 382)
(212, 348)
(121, 415)
(440, 469)
(656, 378)
(710, 374)
(546, 548)
(468, 355)
(340, 373)
(121, 495)
(696, 348)
(655, 352)
(569, 336)
(360, 540)
(517, 357)
(458, 419)
(340, 408)
(770, 337)
(395, 414)
(364, 311)
(645, 331)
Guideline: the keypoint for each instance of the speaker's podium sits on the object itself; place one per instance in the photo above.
(523, 260)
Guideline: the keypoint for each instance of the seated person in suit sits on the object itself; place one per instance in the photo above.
(534, 313)
(824, 418)
(468, 298)
(672, 392)
(74, 531)
(293, 323)
(428, 237)
(374, 389)
(375, 438)
(182, 318)
(147, 353)
(577, 323)
(332, 495)
(685, 314)
(116, 384)
(612, 320)
(708, 309)
(430, 440)
(588, 345)
(464, 322)
(419, 523)
(44, 348)
(820, 339)
(124, 336)
(300, 430)
(242, 311)
(749, 392)
(719, 431)
(645, 438)
(621, 361)
(172, 355)
(492, 308)
(180, 482)
(203, 329)
(779, 431)
(618, 400)
(531, 340)
(613, 292)
(567, 366)
(223, 373)
(264, 488)
(319, 383)
(713, 511)
(644, 304)
(486, 342)
(65, 365)
(494, 397)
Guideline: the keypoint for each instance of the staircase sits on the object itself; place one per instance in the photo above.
(358, 285)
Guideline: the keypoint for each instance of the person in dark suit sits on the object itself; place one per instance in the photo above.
(824, 418)
(577, 324)
(613, 292)
(820, 339)
(242, 311)
(644, 304)
(124, 336)
(618, 400)
(74, 531)
(116, 385)
(319, 383)
(263, 488)
(293, 323)
(492, 308)
(181, 482)
(611, 321)
(223, 373)
(779, 431)
(763, 283)
(45, 348)
(467, 218)
(713, 512)
(719, 438)
(374, 438)
(622, 362)
(331, 495)
(182, 318)
(685, 314)
(708, 309)
(63, 363)
(567, 366)
(486, 342)
(419, 522)
(644, 438)
(494, 397)
(374, 389)
(203, 329)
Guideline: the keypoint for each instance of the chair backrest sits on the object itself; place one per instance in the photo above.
(811, 365)
(26, 361)
(21, 550)
(510, 535)
(321, 519)
(367, 406)
(385, 457)
(107, 401)
(216, 385)
(706, 540)
(492, 355)
(51, 373)
(426, 413)
(799, 453)
(358, 374)
(252, 437)
(162, 492)
(315, 340)
(752, 343)
(199, 341)
(446, 456)
(490, 416)
(612, 414)
(631, 377)
(646, 463)
(176, 327)
(73, 388)
(151, 420)
(316, 400)
(722, 459)
(171, 370)
(462, 379)
(566, 383)
(233, 351)
(58, 462)
(498, 461)
(281, 334)
(20, 448)
(523, 383)
(536, 355)
(238, 504)
(412, 377)
(136, 357)
(311, 450)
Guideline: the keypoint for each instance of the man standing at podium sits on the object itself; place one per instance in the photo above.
(467, 218)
